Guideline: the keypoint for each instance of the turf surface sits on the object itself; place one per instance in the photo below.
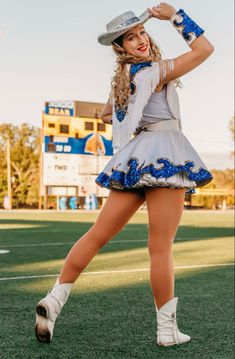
(110, 314)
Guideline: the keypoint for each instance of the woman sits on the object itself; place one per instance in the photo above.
(153, 161)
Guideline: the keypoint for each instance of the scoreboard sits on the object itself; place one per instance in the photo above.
(76, 145)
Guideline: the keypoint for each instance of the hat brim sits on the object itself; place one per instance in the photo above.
(107, 38)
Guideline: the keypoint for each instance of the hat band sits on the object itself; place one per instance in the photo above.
(127, 23)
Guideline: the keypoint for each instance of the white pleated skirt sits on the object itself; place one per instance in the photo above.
(162, 158)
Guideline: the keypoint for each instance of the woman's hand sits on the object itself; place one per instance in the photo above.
(106, 115)
(163, 11)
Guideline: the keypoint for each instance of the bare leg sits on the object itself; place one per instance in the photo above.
(117, 210)
(165, 208)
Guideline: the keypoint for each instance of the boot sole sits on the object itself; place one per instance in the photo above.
(166, 344)
(171, 343)
(42, 310)
(42, 333)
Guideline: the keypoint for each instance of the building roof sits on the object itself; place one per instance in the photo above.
(88, 109)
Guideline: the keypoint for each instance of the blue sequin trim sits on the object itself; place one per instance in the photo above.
(121, 113)
(134, 68)
(127, 23)
(133, 71)
(133, 87)
(139, 66)
(187, 27)
(128, 179)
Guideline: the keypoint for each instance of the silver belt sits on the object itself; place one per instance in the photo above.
(162, 125)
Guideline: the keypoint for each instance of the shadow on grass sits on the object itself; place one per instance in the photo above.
(121, 323)
(52, 241)
(48, 230)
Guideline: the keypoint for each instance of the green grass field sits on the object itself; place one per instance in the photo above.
(110, 314)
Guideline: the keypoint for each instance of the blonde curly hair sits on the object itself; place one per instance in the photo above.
(120, 84)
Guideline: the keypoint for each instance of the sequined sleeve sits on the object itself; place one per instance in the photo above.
(185, 26)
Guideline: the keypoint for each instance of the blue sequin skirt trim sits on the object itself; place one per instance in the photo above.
(141, 164)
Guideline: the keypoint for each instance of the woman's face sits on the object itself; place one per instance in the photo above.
(136, 41)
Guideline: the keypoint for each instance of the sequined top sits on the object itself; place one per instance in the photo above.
(157, 108)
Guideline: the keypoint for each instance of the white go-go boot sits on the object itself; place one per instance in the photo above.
(48, 309)
(167, 330)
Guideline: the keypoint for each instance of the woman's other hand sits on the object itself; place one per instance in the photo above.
(163, 11)
(106, 115)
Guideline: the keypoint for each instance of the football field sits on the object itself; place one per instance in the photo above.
(110, 313)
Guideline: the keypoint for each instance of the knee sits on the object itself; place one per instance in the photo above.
(160, 245)
(98, 236)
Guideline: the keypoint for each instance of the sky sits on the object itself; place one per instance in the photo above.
(49, 51)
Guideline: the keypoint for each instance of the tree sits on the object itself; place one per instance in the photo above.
(25, 154)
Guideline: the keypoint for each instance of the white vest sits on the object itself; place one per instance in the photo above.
(145, 81)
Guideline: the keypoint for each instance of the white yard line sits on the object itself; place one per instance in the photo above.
(69, 243)
(78, 211)
(115, 271)
(36, 230)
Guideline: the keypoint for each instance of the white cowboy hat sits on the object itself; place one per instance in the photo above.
(120, 24)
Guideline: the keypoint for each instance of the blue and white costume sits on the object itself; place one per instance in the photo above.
(150, 149)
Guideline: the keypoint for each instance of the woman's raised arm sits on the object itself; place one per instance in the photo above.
(201, 48)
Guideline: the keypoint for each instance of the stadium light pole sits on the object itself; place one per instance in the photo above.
(8, 161)
(9, 172)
